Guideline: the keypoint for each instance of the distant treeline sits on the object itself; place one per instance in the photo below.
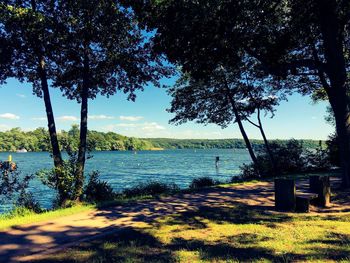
(218, 143)
(38, 140)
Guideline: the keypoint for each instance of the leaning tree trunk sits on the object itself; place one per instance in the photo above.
(56, 152)
(267, 145)
(241, 128)
(339, 91)
(79, 180)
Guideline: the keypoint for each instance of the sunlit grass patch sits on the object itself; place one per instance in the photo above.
(231, 234)
(27, 217)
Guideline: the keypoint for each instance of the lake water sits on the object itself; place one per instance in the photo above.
(126, 169)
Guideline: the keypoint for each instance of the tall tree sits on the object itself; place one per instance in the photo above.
(27, 28)
(304, 40)
(222, 98)
(104, 51)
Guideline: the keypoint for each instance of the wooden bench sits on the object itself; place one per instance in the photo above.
(287, 199)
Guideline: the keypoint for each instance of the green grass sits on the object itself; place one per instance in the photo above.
(22, 216)
(223, 234)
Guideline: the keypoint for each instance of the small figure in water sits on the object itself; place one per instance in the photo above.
(217, 160)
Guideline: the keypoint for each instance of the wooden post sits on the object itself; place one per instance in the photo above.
(285, 194)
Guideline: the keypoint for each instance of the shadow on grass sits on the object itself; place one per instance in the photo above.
(128, 245)
(239, 214)
(224, 251)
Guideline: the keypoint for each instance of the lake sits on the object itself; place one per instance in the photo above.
(126, 169)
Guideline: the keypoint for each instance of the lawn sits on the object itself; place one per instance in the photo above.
(232, 233)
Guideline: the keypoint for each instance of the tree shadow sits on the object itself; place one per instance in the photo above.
(225, 251)
(129, 245)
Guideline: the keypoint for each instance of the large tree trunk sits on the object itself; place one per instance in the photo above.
(79, 180)
(338, 92)
(340, 106)
(56, 152)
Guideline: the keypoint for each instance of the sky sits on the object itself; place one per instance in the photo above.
(296, 118)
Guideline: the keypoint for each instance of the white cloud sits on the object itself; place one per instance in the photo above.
(130, 118)
(39, 119)
(68, 118)
(21, 95)
(100, 117)
(152, 126)
(9, 116)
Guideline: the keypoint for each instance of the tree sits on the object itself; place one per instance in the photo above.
(222, 98)
(26, 32)
(303, 40)
(104, 51)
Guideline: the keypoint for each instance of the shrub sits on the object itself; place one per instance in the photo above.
(14, 189)
(202, 182)
(66, 179)
(290, 157)
(97, 190)
(318, 160)
(151, 189)
(27, 201)
(248, 171)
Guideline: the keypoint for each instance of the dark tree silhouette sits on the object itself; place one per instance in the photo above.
(104, 51)
(27, 44)
(304, 40)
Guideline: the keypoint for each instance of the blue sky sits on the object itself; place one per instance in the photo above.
(147, 117)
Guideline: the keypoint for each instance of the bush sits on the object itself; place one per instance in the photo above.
(97, 190)
(202, 182)
(14, 189)
(289, 158)
(318, 160)
(67, 180)
(151, 189)
(248, 171)
(27, 201)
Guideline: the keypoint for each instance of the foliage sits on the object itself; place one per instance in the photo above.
(67, 180)
(97, 190)
(151, 188)
(333, 148)
(318, 159)
(292, 158)
(38, 140)
(303, 45)
(202, 182)
(167, 143)
(14, 189)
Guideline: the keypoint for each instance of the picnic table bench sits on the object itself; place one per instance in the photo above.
(288, 199)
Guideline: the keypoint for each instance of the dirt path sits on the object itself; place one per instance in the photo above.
(27, 242)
